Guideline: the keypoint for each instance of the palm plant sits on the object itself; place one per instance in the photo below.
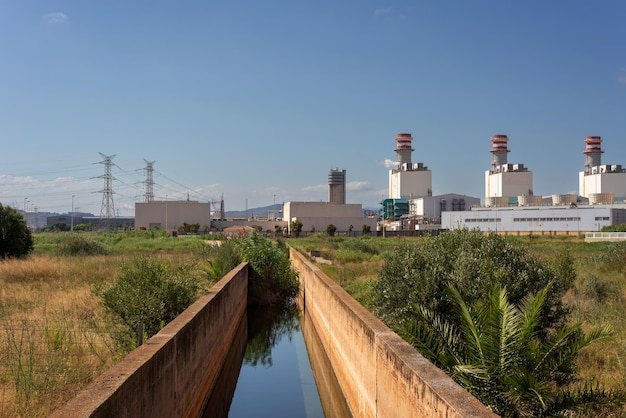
(499, 353)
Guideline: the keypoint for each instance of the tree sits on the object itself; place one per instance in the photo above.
(16, 239)
(421, 273)
(350, 228)
(366, 229)
(296, 228)
(495, 350)
(331, 229)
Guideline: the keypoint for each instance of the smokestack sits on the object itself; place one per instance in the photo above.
(403, 148)
(593, 153)
(337, 186)
(499, 150)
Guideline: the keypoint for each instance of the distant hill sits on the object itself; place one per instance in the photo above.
(262, 211)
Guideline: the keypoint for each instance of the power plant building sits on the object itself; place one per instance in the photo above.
(409, 179)
(337, 186)
(601, 184)
(556, 214)
(505, 182)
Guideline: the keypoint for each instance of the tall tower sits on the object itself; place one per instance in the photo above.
(602, 184)
(409, 180)
(404, 148)
(499, 151)
(337, 186)
(593, 153)
(505, 183)
(107, 209)
(149, 181)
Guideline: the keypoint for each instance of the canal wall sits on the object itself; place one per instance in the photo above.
(171, 374)
(379, 373)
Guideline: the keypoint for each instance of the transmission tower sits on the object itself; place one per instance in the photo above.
(108, 209)
(149, 181)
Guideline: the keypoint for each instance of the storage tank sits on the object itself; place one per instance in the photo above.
(529, 200)
(601, 198)
(564, 199)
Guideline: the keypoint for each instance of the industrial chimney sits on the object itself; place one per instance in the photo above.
(499, 150)
(403, 148)
(593, 151)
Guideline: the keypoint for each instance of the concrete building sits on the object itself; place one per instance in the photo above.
(601, 184)
(169, 215)
(537, 219)
(316, 216)
(505, 182)
(409, 179)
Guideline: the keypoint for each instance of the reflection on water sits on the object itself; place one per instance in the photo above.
(273, 378)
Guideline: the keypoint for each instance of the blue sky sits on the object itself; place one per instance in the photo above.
(258, 100)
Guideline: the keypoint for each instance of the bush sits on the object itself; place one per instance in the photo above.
(420, 274)
(331, 229)
(16, 239)
(272, 281)
(151, 293)
(76, 245)
(222, 258)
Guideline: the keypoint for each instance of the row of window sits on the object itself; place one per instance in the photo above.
(573, 219)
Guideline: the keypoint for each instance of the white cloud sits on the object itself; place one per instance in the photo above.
(390, 163)
(385, 11)
(316, 188)
(56, 18)
(354, 186)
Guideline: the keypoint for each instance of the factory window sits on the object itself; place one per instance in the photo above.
(602, 218)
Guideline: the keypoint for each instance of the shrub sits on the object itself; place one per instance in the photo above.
(222, 258)
(76, 245)
(331, 229)
(272, 281)
(151, 293)
(420, 274)
(16, 239)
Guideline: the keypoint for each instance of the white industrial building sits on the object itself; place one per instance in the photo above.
(595, 208)
(316, 216)
(409, 179)
(505, 182)
(411, 205)
(170, 215)
(536, 219)
(600, 183)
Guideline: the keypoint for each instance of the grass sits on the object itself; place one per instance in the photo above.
(598, 296)
(55, 335)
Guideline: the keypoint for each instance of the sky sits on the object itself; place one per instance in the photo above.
(255, 101)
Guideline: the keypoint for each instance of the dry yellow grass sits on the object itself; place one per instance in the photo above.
(55, 336)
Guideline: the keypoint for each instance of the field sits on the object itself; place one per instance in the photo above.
(598, 296)
(55, 334)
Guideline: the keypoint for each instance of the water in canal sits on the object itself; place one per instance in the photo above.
(269, 372)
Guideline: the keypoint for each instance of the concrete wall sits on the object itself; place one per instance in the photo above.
(172, 373)
(380, 374)
(171, 214)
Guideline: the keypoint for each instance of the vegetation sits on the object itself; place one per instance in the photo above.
(77, 245)
(331, 229)
(272, 280)
(15, 237)
(595, 296)
(498, 353)
(296, 228)
(150, 293)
